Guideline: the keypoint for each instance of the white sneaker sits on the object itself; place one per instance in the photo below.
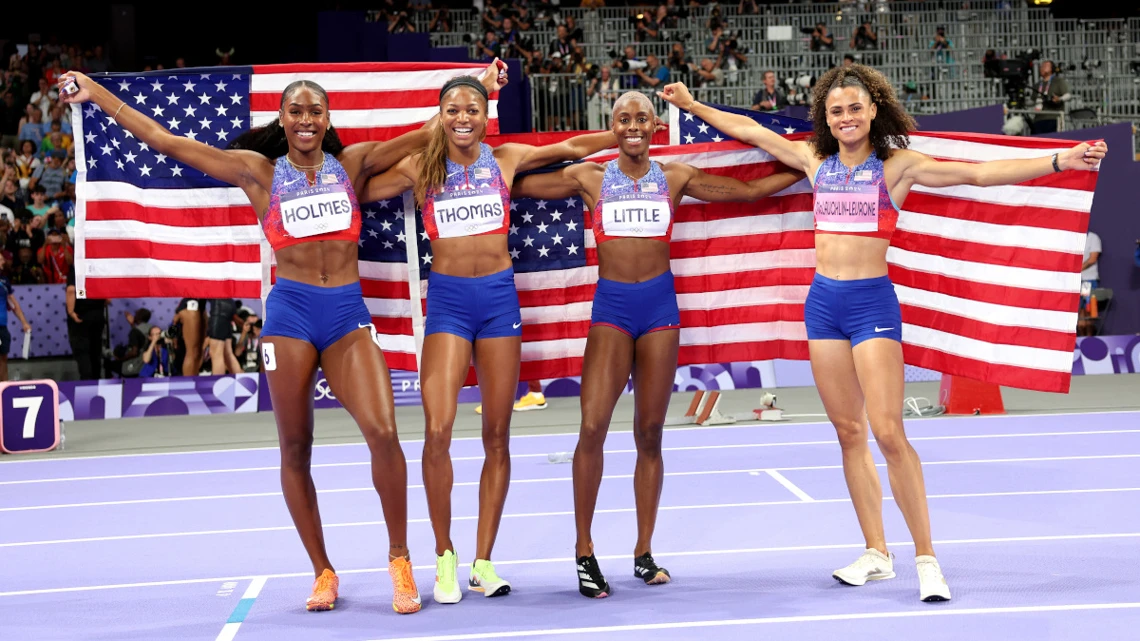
(931, 584)
(873, 565)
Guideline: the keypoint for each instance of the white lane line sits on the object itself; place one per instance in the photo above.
(601, 557)
(687, 448)
(527, 515)
(733, 426)
(791, 487)
(559, 479)
(230, 629)
(585, 632)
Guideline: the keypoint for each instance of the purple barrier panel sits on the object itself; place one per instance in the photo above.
(45, 307)
(1107, 355)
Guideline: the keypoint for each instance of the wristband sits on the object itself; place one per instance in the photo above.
(1055, 167)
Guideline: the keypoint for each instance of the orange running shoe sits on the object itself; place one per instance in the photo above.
(405, 595)
(324, 592)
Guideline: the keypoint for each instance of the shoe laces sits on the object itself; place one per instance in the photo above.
(324, 582)
(402, 575)
(867, 559)
(929, 571)
(486, 570)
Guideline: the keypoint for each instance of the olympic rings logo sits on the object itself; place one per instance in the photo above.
(472, 228)
(321, 391)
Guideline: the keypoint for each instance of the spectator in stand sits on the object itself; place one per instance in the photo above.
(31, 127)
(10, 116)
(1052, 91)
(9, 194)
(865, 38)
(7, 215)
(601, 92)
(821, 40)
(653, 76)
(55, 257)
(98, 61)
(25, 233)
(44, 98)
(561, 43)
(55, 141)
(709, 74)
(1090, 280)
(645, 26)
(848, 60)
(489, 48)
(27, 163)
(62, 116)
(441, 22)
(86, 318)
(26, 271)
(573, 31)
(522, 17)
(52, 74)
(747, 8)
(492, 19)
(14, 305)
(941, 49)
(51, 175)
(39, 206)
(770, 97)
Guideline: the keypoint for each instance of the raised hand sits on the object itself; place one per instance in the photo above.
(1083, 157)
(494, 78)
(77, 80)
(677, 94)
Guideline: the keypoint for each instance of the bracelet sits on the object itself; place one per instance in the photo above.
(1055, 167)
(124, 104)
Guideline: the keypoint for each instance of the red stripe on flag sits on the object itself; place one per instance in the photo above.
(734, 245)
(362, 67)
(740, 280)
(556, 296)
(145, 249)
(387, 289)
(345, 100)
(984, 292)
(165, 287)
(960, 209)
(737, 352)
(1010, 375)
(401, 361)
(763, 207)
(353, 135)
(989, 332)
(990, 254)
(233, 216)
(1020, 142)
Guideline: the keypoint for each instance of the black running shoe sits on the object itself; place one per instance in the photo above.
(647, 570)
(591, 583)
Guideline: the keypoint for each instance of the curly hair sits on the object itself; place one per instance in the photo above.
(891, 126)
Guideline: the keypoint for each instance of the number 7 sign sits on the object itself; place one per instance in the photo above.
(29, 416)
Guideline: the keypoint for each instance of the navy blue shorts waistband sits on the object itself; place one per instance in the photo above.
(474, 280)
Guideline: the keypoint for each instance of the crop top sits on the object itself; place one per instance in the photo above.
(473, 201)
(633, 208)
(854, 201)
(300, 212)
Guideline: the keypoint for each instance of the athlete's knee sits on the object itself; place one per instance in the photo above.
(297, 452)
(852, 432)
(380, 435)
(891, 441)
(647, 437)
(437, 438)
(592, 435)
(497, 438)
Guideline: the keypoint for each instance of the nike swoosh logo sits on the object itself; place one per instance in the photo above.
(517, 325)
(882, 329)
(454, 173)
(834, 173)
(290, 182)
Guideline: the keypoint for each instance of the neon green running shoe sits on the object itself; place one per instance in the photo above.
(446, 586)
(484, 579)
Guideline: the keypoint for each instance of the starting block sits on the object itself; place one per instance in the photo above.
(704, 409)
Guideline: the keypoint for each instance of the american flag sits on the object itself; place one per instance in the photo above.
(988, 278)
(689, 129)
(150, 226)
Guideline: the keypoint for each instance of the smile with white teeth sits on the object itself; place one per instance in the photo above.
(462, 131)
(847, 128)
(306, 134)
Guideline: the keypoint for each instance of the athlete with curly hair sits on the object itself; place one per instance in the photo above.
(860, 168)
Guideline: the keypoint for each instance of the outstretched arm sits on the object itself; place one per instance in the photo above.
(549, 185)
(236, 167)
(921, 169)
(795, 154)
(712, 188)
(391, 183)
(529, 157)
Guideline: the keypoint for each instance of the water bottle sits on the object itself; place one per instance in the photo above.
(560, 457)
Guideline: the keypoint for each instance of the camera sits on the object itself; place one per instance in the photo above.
(173, 332)
(638, 19)
(593, 72)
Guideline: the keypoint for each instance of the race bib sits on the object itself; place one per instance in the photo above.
(316, 210)
(468, 212)
(847, 208)
(635, 215)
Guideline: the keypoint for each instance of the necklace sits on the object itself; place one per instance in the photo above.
(304, 167)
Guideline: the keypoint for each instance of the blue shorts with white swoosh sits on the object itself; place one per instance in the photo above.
(637, 309)
(473, 308)
(319, 315)
(854, 310)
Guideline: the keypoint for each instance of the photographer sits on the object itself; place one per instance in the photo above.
(626, 62)
(653, 76)
(1051, 92)
(489, 48)
(709, 74)
(680, 63)
(401, 24)
(248, 346)
(491, 18)
(821, 40)
(156, 357)
(441, 23)
(645, 27)
(941, 46)
(573, 31)
(770, 97)
(865, 37)
(561, 43)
